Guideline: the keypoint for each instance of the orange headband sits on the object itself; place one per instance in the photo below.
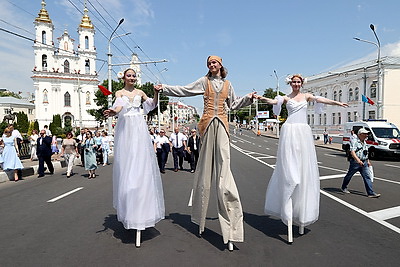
(217, 58)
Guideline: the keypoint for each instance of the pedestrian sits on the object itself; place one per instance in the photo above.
(326, 134)
(17, 135)
(54, 145)
(194, 150)
(178, 145)
(353, 136)
(81, 142)
(137, 187)
(33, 142)
(293, 190)
(99, 152)
(48, 132)
(214, 159)
(10, 156)
(105, 147)
(90, 149)
(69, 150)
(162, 147)
(359, 162)
(44, 153)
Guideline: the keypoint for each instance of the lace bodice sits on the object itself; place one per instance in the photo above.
(131, 105)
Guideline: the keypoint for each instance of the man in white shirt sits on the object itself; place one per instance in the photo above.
(178, 144)
(162, 148)
(48, 132)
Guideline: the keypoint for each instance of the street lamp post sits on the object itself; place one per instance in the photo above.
(109, 73)
(379, 85)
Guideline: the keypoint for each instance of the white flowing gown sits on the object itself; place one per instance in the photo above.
(137, 188)
(293, 191)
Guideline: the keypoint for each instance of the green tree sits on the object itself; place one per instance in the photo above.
(31, 127)
(102, 100)
(12, 94)
(271, 93)
(67, 125)
(36, 125)
(3, 125)
(22, 123)
(55, 125)
(148, 89)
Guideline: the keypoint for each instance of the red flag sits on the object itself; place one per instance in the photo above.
(104, 90)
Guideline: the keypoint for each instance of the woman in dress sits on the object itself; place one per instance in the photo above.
(90, 149)
(293, 191)
(219, 97)
(33, 141)
(99, 154)
(138, 193)
(69, 150)
(10, 155)
(54, 147)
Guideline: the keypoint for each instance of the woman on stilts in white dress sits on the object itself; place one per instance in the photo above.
(137, 187)
(293, 191)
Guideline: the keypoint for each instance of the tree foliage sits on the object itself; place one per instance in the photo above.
(12, 94)
(22, 123)
(102, 100)
(271, 93)
(55, 125)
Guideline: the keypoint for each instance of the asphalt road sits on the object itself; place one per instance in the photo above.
(81, 229)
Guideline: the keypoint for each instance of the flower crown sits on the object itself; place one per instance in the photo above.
(290, 77)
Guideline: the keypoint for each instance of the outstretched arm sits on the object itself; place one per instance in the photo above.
(196, 88)
(324, 100)
(267, 100)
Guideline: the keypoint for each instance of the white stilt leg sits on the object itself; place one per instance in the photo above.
(290, 232)
(190, 199)
(230, 245)
(138, 238)
(301, 230)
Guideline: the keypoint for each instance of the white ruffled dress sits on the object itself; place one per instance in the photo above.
(293, 191)
(137, 187)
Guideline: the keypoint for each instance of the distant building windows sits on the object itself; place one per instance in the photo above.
(66, 66)
(67, 99)
(87, 66)
(339, 118)
(340, 95)
(30, 111)
(86, 42)
(355, 115)
(356, 94)
(371, 115)
(348, 116)
(372, 90)
(350, 98)
(45, 97)
(88, 98)
(335, 96)
(324, 118)
(44, 62)
(334, 118)
(43, 37)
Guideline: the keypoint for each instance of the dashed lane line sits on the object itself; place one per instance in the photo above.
(64, 195)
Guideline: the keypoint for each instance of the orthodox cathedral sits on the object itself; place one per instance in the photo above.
(65, 78)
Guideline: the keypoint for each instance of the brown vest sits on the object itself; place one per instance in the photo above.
(214, 107)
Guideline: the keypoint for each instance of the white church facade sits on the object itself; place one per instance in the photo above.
(65, 79)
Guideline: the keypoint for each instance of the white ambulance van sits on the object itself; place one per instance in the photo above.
(383, 139)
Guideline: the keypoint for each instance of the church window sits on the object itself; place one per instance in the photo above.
(87, 98)
(66, 66)
(335, 95)
(65, 45)
(44, 62)
(45, 98)
(87, 66)
(340, 95)
(86, 42)
(67, 99)
(43, 37)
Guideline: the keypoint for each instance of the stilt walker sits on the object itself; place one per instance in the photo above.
(219, 97)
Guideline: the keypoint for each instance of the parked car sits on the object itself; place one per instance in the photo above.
(383, 139)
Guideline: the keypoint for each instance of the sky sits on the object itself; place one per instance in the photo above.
(253, 37)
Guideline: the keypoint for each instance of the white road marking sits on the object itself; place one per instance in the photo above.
(373, 215)
(386, 214)
(64, 195)
(362, 212)
(394, 166)
(330, 155)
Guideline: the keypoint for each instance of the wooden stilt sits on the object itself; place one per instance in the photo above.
(138, 238)
(290, 231)
(230, 245)
(301, 230)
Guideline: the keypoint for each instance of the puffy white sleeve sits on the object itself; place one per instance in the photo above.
(319, 107)
(277, 107)
(119, 102)
(149, 105)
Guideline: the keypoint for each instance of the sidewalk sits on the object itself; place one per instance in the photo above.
(30, 168)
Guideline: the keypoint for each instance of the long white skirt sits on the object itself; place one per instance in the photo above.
(293, 191)
(137, 187)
